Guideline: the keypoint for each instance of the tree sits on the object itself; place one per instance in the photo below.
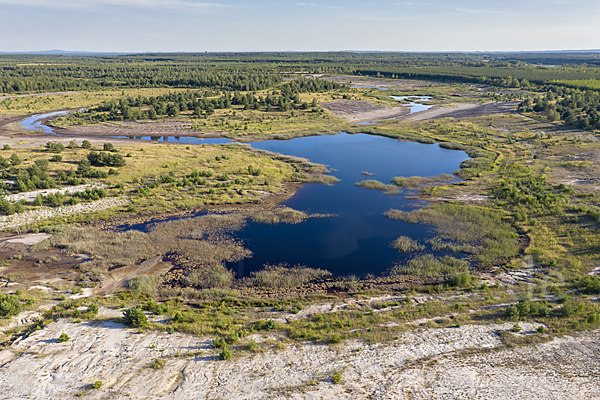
(15, 159)
(135, 316)
(86, 144)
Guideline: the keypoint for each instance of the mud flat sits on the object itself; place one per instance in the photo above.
(434, 363)
(362, 111)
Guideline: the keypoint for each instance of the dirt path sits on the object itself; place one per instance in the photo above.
(118, 278)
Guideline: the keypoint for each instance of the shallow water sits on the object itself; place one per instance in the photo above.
(35, 121)
(413, 106)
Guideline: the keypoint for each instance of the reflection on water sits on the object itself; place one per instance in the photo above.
(357, 240)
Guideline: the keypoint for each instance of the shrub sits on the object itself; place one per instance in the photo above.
(225, 354)
(86, 144)
(232, 338)
(461, 279)
(97, 385)
(541, 330)
(109, 147)
(92, 309)
(103, 159)
(9, 306)
(63, 338)
(271, 324)
(516, 328)
(135, 316)
(252, 345)
(55, 147)
(336, 378)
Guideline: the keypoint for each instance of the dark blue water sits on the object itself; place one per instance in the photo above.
(356, 242)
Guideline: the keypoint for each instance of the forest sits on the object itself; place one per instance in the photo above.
(258, 71)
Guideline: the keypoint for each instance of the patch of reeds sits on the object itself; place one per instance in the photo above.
(391, 133)
(404, 244)
(477, 227)
(429, 266)
(283, 276)
(372, 184)
(416, 181)
(285, 216)
(210, 277)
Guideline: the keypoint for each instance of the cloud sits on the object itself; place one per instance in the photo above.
(83, 4)
(306, 4)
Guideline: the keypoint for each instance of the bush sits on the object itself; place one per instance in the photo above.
(55, 147)
(9, 306)
(63, 338)
(225, 354)
(93, 309)
(336, 378)
(103, 159)
(461, 279)
(86, 144)
(97, 385)
(135, 316)
(252, 345)
(109, 147)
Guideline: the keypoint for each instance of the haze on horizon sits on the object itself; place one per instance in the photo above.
(312, 25)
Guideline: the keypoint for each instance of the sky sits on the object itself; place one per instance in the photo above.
(308, 25)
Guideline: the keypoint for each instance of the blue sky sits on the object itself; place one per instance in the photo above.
(308, 25)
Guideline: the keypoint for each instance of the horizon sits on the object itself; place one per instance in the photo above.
(190, 26)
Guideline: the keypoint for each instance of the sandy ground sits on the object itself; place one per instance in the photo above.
(29, 238)
(361, 111)
(433, 363)
(35, 95)
(464, 110)
(30, 196)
